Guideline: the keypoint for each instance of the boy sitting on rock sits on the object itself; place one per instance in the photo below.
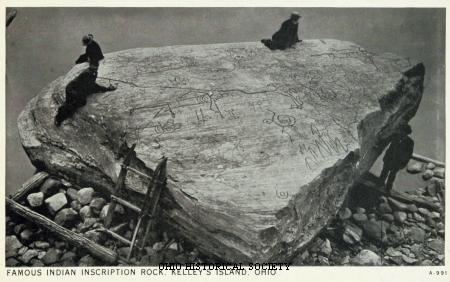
(287, 36)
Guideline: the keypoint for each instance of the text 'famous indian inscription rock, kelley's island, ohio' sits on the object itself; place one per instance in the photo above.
(263, 145)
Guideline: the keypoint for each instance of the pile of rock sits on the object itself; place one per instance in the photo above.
(82, 211)
(389, 233)
(434, 175)
(428, 170)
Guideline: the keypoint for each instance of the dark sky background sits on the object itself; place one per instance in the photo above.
(43, 43)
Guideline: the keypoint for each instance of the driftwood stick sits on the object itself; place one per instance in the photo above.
(421, 158)
(116, 236)
(418, 201)
(32, 183)
(125, 203)
(133, 240)
(371, 181)
(71, 237)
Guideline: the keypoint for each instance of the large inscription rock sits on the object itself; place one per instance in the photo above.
(263, 145)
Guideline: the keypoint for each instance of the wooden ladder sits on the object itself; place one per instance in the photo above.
(147, 211)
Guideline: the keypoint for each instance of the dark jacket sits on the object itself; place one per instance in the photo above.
(399, 153)
(287, 35)
(93, 54)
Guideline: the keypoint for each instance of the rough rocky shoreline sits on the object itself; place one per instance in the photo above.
(387, 233)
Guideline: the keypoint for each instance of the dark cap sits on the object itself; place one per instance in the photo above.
(295, 15)
(86, 39)
(404, 130)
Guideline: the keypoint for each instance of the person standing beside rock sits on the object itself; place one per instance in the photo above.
(93, 53)
(286, 36)
(397, 156)
(76, 94)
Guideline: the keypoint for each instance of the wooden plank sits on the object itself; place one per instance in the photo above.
(129, 168)
(418, 201)
(424, 159)
(125, 203)
(71, 237)
(116, 236)
(119, 185)
(150, 203)
(133, 240)
(119, 227)
(32, 183)
(371, 181)
(159, 183)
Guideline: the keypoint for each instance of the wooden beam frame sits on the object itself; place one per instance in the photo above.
(32, 183)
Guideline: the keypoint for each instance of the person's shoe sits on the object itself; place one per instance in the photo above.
(266, 42)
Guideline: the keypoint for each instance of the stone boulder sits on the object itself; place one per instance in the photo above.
(52, 256)
(50, 186)
(12, 246)
(400, 216)
(26, 235)
(85, 195)
(56, 202)
(439, 172)
(352, 234)
(35, 199)
(42, 245)
(28, 255)
(367, 258)
(414, 167)
(86, 212)
(375, 230)
(416, 234)
(263, 145)
(72, 194)
(87, 260)
(97, 203)
(66, 216)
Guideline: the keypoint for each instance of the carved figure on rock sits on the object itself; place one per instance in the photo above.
(76, 94)
(286, 36)
(397, 156)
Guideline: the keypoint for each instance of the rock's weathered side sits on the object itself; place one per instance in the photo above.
(263, 145)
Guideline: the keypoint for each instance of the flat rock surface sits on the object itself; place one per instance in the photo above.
(245, 129)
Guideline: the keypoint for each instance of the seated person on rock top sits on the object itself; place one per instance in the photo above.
(287, 36)
(397, 156)
(76, 94)
(93, 53)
